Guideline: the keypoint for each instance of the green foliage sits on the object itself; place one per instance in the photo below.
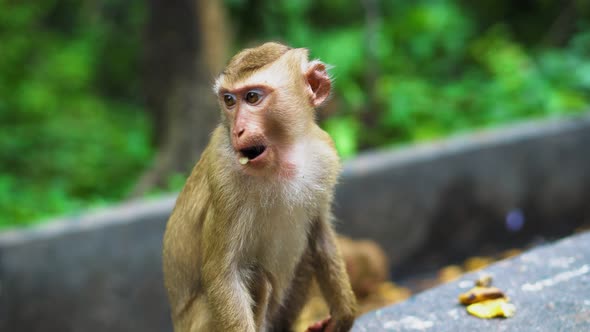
(423, 69)
(73, 132)
(69, 135)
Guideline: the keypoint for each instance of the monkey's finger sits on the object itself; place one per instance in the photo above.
(331, 327)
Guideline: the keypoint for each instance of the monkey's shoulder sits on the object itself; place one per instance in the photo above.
(322, 160)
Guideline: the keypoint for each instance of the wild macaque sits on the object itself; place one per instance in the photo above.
(253, 225)
(366, 264)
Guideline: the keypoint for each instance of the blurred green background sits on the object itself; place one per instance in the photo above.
(76, 130)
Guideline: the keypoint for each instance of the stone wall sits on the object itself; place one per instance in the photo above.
(451, 196)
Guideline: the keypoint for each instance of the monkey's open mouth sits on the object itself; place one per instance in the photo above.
(253, 151)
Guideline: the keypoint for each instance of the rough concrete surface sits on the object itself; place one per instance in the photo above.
(550, 287)
(449, 197)
(98, 272)
(102, 271)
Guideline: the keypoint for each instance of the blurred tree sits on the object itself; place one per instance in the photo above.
(186, 43)
(533, 22)
(72, 129)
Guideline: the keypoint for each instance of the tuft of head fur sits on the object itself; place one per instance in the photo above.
(252, 59)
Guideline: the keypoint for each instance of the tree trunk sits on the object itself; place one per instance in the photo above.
(185, 47)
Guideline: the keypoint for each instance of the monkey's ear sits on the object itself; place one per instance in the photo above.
(318, 82)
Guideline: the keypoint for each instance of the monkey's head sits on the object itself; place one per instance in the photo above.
(268, 96)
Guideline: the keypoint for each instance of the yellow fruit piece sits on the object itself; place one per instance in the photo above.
(477, 262)
(450, 273)
(478, 294)
(484, 281)
(492, 308)
(511, 253)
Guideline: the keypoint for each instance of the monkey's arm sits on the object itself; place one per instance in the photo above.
(206, 291)
(224, 284)
(229, 301)
(331, 276)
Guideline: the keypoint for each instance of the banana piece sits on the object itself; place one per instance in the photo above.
(492, 308)
(478, 294)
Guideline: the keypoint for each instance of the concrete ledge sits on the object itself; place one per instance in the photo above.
(102, 271)
(127, 213)
(550, 287)
(97, 272)
(415, 199)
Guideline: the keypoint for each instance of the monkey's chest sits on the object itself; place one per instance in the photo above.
(280, 244)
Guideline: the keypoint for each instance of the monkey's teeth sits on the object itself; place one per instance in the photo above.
(243, 160)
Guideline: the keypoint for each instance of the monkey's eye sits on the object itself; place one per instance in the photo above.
(229, 100)
(253, 97)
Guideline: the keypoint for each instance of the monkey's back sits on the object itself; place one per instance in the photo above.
(181, 254)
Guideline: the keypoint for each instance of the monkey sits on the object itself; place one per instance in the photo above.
(252, 227)
(366, 264)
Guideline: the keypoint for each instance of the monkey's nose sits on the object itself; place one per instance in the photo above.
(239, 132)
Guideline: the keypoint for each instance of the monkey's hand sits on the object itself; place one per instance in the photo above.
(321, 326)
(330, 325)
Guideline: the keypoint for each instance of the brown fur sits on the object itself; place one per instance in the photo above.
(366, 264)
(244, 241)
(251, 59)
